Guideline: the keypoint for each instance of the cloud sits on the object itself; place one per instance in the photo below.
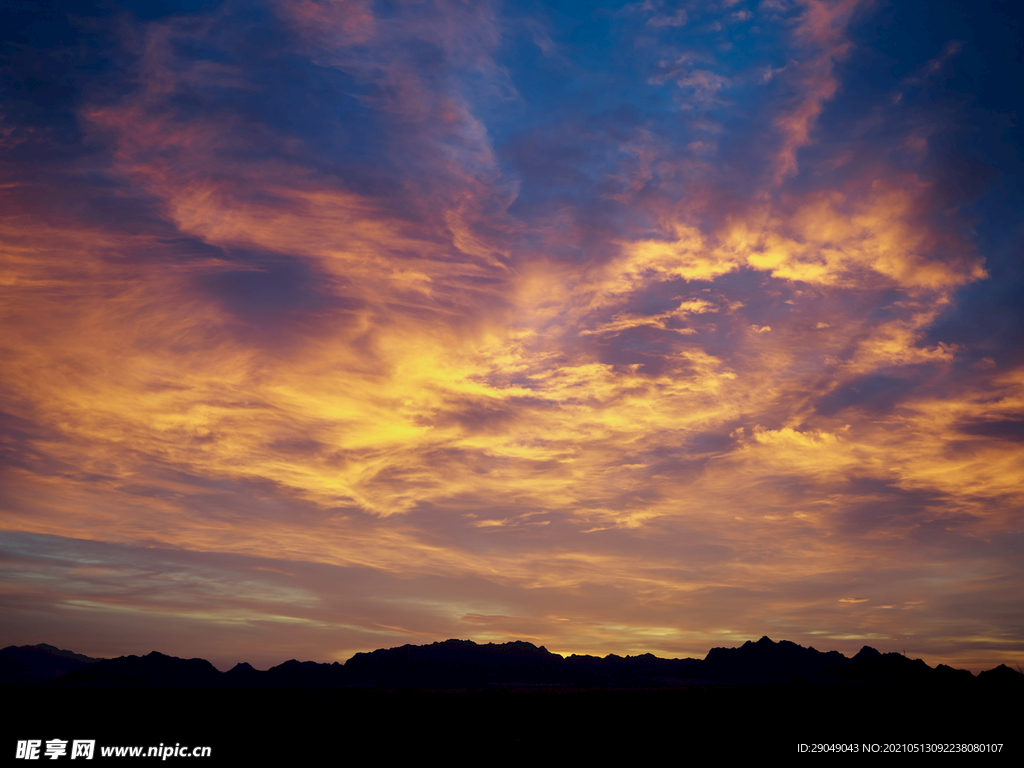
(821, 34)
(386, 306)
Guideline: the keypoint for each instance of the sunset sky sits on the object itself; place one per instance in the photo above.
(333, 325)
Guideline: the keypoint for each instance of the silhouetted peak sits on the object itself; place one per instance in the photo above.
(520, 644)
(1002, 669)
(155, 669)
(293, 664)
(945, 674)
(1002, 676)
(765, 640)
(451, 642)
(242, 666)
(867, 652)
(48, 650)
(37, 664)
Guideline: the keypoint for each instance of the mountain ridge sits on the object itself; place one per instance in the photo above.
(457, 664)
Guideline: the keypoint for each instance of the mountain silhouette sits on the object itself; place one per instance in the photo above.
(463, 664)
(154, 670)
(768, 662)
(37, 664)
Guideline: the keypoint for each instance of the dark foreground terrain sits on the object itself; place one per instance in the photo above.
(292, 726)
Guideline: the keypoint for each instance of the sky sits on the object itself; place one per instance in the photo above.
(333, 325)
